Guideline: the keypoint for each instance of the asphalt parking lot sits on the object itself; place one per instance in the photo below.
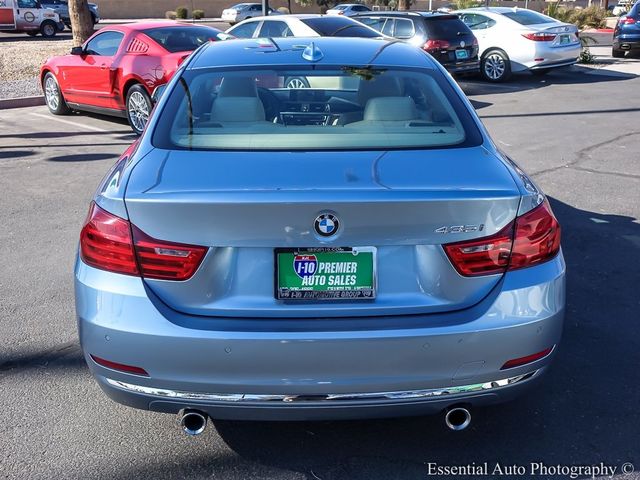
(576, 133)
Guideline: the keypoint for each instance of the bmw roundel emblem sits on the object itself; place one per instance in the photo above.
(326, 224)
(462, 44)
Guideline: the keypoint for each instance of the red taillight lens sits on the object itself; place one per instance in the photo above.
(119, 366)
(532, 239)
(105, 242)
(627, 20)
(164, 260)
(483, 256)
(537, 237)
(432, 45)
(475, 42)
(518, 362)
(540, 36)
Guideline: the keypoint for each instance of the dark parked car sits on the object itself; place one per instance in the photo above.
(442, 35)
(626, 36)
(61, 7)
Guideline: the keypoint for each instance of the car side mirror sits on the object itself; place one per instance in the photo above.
(77, 50)
(157, 93)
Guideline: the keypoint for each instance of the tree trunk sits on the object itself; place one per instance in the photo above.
(404, 4)
(81, 21)
(289, 6)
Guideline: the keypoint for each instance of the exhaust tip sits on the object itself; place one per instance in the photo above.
(457, 418)
(193, 422)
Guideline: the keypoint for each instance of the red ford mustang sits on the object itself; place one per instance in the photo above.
(116, 70)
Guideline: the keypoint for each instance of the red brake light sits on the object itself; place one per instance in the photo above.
(540, 36)
(483, 256)
(537, 237)
(106, 243)
(518, 362)
(475, 41)
(532, 239)
(432, 45)
(119, 366)
(164, 260)
(627, 20)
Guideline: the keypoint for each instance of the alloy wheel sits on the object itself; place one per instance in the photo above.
(296, 83)
(494, 66)
(138, 111)
(51, 93)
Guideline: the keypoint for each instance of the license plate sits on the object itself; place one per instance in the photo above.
(325, 273)
(461, 54)
(565, 39)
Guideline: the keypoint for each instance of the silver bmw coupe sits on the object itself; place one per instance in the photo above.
(356, 249)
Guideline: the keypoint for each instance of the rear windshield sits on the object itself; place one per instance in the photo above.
(446, 28)
(313, 108)
(528, 17)
(339, 27)
(181, 39)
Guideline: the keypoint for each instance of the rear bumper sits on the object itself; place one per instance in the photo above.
(551, 57)
(466, 67)
(232, 369)
(627, 42)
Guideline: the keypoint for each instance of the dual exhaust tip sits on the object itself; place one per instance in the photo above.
(194, 422)
(457, 418)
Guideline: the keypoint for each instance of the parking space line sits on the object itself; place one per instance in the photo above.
(69, 122)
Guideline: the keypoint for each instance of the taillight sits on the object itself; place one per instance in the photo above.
(164, 260)
(518, 362)
(119, 366)
(475, 42)
(483, 256)
(540, 36)
(106, 242)
(532, 239)
(433, 45)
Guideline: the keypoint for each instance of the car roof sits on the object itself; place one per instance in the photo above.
(408, 13)
(138, 26)
(337, 51)
(492, 9)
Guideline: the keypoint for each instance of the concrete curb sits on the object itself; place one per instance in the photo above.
(22, 102)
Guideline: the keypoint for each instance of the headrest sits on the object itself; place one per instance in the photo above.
(380, 86)
(390, 109)
(237, 109)
(238, 87)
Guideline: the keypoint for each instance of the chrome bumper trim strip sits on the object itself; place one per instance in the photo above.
(329, 398)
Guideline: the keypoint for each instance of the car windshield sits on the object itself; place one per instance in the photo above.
(181, 39)
(528, 17)
(336, 26)
(340, 7)
(241, 6)
(313, 108)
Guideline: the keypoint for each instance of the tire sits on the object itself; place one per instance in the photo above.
(296, 82)
(138, 107)
(541, 72)
(53, 96)
(495, 66)
(32, 33)
(48, 29)
(617, 53)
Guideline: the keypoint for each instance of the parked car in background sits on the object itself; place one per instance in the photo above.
(61, 7)
(442, 35)
(30, 17)
(244, 11)
(303, 25)
(348, 9)
(622, 7)
(520, 40)
(118, 67)
(626, 35)
(325, 254)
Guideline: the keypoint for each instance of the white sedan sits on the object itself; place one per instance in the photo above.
(517, 40)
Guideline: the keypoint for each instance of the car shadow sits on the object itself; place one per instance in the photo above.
(573, 75)
(82, 157)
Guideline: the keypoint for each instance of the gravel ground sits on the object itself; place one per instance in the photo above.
(20, 62)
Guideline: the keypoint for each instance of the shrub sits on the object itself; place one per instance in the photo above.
(283, 10)
(182, 12)
(170, 14)
(197, 14)
(590, 17)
